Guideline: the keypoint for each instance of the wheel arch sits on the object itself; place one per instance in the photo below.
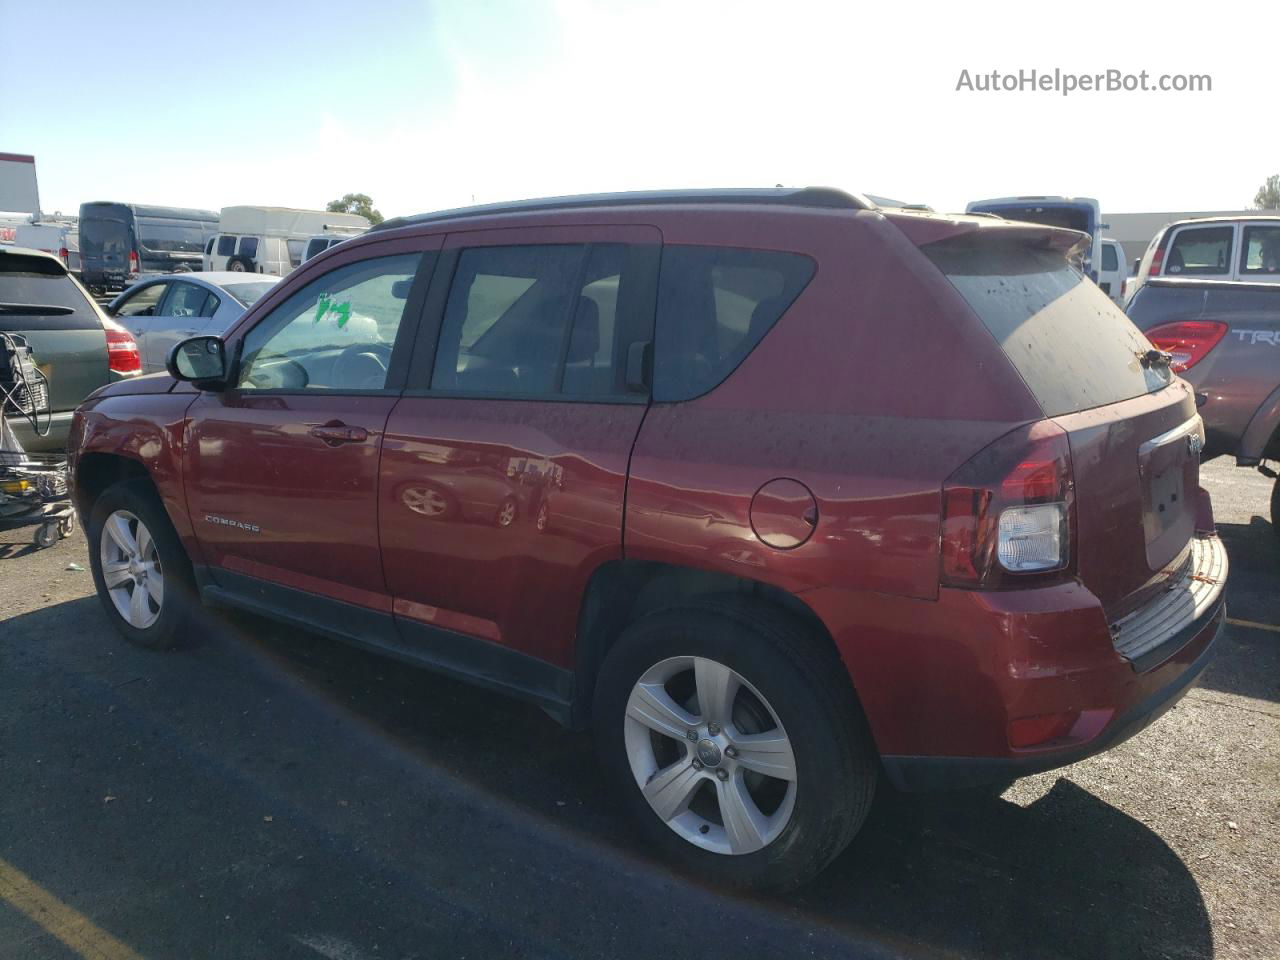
(621, 591)
(96, 471)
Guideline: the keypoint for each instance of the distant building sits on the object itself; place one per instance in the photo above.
(1135, 230)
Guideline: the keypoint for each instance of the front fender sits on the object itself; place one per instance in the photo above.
(148, 432)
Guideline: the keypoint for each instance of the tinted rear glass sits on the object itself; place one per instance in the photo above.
(39, 282)
(714, 305)
(1072, 218)
(1109, 259)
(104, 231)
(171, 236)
(1072, 345)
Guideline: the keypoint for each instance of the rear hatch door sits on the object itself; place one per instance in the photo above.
(68, 341)
(1132, 425)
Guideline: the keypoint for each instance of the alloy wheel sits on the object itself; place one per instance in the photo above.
(131, 569)
(710, 755)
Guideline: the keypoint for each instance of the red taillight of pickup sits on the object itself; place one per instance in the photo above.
(134, 263)
(1007, 513)
(1189, 341)
(122, 351)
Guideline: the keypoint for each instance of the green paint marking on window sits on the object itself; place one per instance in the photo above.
(343, 312)
(322, 307)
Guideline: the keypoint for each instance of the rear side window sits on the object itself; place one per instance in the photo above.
(186, 300)
(1109, 259)
(28, 284)
(226, 245)
(1200, 252)
(249, 247)
(1260, 252)
(295, 251)
(714, 305)
(545, 320)
(1071, 344)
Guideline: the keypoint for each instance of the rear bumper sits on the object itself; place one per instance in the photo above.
(978, 686)
(950, 773)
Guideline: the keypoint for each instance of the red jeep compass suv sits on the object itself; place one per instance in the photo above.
(778, 491)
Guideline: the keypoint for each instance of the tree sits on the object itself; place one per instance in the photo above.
(1268, 197)
(360, 203)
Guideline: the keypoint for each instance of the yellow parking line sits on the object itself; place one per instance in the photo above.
(1253, 625)
(71, 927)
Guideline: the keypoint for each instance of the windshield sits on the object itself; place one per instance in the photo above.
(1072, 345)
(171, 236)
(247, 294)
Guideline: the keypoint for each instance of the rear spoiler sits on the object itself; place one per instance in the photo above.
(922, 230)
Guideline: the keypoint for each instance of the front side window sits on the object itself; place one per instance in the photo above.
(1200, 252)
(1260, 252)
(226, 245)
(335, 333)
(714, 305)
(543, 320)
(208, 247)
(143, 303)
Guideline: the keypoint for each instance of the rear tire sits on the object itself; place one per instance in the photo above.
(140, 569)
(237, 266)
(790, 710)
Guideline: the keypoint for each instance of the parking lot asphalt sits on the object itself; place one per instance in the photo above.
(263, 792)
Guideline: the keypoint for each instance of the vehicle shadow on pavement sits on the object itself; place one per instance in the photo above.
(1067, 876)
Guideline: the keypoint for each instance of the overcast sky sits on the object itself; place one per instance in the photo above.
(426, 105)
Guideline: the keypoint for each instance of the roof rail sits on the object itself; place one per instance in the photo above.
(827, 197)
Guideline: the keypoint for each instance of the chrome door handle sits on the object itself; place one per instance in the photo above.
(335, 434)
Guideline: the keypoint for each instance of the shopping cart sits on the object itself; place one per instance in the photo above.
(33, 487)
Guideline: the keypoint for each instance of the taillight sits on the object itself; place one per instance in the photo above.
(1188, 340)
(122, 352)
(133, 263)
(65, 256)
(1124, 285)
(1007, 513)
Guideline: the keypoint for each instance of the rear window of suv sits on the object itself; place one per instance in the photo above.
(1072, 346)
(28, 283)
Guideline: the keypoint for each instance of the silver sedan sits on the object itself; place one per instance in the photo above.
(163, 309)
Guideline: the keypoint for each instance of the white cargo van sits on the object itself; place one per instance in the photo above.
(272, 240)
(58, 236)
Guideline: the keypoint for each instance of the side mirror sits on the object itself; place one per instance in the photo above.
(202, 361)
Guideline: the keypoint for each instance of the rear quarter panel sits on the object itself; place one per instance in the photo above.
(874, 386)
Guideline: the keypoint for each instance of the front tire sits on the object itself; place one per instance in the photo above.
(733, 736)
(140, 569)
